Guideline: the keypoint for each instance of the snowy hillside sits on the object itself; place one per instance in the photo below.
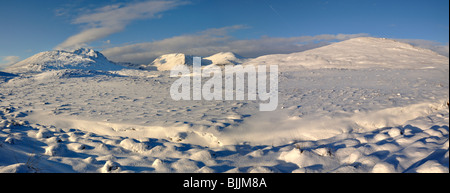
(364, 52)
(361, 105)
(86, 59)
(168, 61)
(223, 58)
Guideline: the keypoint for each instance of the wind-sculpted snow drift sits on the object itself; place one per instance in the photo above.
(361, 105)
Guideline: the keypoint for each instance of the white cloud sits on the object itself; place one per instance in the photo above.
(215, 40)
(111, 19)
(9, 60)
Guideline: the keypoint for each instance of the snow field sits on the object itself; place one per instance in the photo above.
(363, 105)
(36, 148)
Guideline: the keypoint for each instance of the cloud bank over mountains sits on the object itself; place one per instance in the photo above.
(216, 40)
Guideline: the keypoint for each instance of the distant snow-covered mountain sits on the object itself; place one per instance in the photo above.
(224, 58)
(88, 59)
(83, 58)
(168, 61)
(364, 52)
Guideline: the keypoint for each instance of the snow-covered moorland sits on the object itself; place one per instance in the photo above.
(361, 105)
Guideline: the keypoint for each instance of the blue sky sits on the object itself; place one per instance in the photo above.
(139, 30)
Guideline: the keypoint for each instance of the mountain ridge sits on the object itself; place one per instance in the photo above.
(360, 52)
(83, 58)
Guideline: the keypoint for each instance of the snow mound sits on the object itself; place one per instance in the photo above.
(85, 59)
(18, 168)
(357, 53)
